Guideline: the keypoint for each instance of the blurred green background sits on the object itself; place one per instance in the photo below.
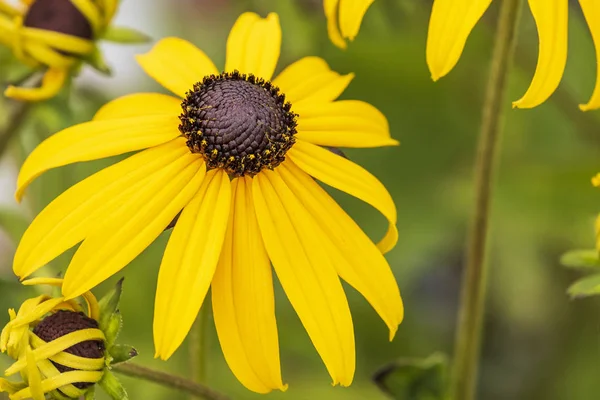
(538, 343)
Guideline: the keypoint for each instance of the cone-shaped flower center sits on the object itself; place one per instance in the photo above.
(62, 323)
(238, 122)
(58, 16)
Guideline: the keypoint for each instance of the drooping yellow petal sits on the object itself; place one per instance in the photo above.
(94, 140)
(133, 226)
(34, 377)
(243, 299)
(138, 105)
(305, 270)
(352, 13)
(254, 44)
(331, 13)
(190, 261)
(52, 82)
(551, 18)
(450, 24)
(69, 218)
(343, 174)
(176, 64)
(591, 12)
(356, 258)
(60, 41)
(309, 81)
(347, 123)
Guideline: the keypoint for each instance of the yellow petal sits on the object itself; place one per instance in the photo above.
(73, 215)
(94, 140)
(348, 123)
(306, 273)
(176, 64)
(243, 300)
(138, 105)
(351, 16)
(52, 82)
(551, 18)
(343, 174)
(33, 375)
(450, 24)
(357, 259)
(310, 80)
(331, 13)
(591, 12)
(190, 261)
(133, 226)
(60, 41)
(254, 44)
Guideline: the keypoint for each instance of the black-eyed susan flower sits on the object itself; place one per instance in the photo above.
(453, 20)
(61, 348)
(56, 36)
(344, 18)
(233, 155)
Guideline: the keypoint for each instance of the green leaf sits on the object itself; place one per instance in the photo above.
(581, 259)
(585, 287)
(13, 223)
(112, 386)
(119, 34)
(122, 353)
(415, 379)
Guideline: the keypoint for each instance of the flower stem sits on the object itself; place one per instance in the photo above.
(173, 381)
(197, 345)
(15, 121)
(469, 324)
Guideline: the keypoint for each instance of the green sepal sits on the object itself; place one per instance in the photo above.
(124, 35)
(122, 353)
(588, 286)
(110, 321)
(581, 259)
(90, 394)
(111, 385)
(415, 379)
(96, 60)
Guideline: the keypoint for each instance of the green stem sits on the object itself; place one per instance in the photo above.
(173, 381)
(15, 120)
(197, 345)
(472, 304)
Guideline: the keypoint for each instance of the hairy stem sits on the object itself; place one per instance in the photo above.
(472, 304)
(173, 381)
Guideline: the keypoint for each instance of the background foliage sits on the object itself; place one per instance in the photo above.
(539, 344)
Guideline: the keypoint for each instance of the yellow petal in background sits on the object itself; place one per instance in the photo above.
(591, 12)
(347, 123)
(69, 218)
(52, 82)
(243, 299)
(177, 65)
(190, 261)
(351, 13)
(94, 140)
(310, 80)
(551, 18)
(133, 225)
(331, 8)
(139, 105)
(357, 260)
(450, 24)
(343, 174)
(306, 273)
(254, 44)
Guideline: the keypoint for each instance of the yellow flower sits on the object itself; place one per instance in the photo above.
(344, 18)
(453, 20)
(54, 35)
(234, 162)
(58, 349)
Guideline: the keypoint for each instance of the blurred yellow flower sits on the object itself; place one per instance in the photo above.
(232, 158)
(55, 36)
(453, 20)
(344, 18)
(58, 348)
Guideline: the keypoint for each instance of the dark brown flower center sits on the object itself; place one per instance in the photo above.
(238, 122)
(64, 322)
(58, 16)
